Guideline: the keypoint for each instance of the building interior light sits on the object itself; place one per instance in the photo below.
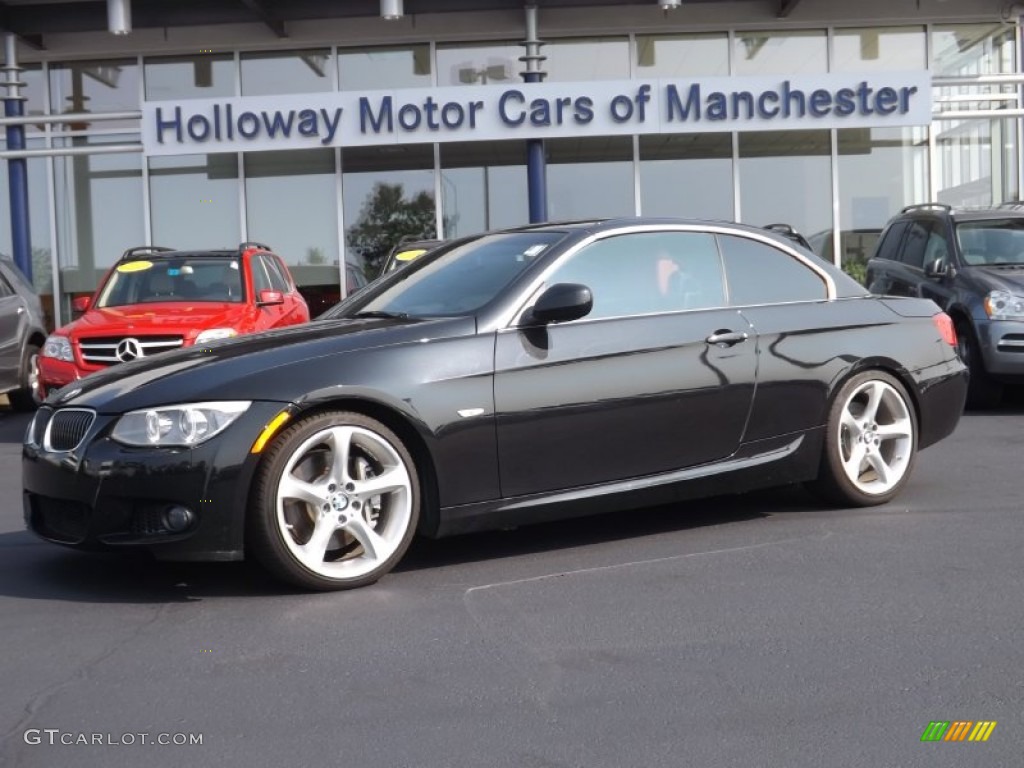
(669, 5)
(119, 16)
(391, 9)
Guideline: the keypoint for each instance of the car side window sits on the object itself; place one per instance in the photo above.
(937, 247)
(759, 273)
(889, 246)
(915, 244)
(647, 272)
(277, 279)
(5, 287)
(260, 278)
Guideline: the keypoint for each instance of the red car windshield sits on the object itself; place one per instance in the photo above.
(188, 280)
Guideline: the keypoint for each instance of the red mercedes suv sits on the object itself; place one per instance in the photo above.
(156, 299)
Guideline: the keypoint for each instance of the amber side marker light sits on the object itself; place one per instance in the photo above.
(269, 431)
(944, 324)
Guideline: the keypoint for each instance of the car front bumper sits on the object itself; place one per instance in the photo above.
(104, 495)
(1002, 343)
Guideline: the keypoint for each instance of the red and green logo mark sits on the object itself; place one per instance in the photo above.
(958, 730)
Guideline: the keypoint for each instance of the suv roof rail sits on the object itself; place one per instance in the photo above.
(1012, 204)
(780, 227)
(140, 249)
(253, 244)
(926, 206)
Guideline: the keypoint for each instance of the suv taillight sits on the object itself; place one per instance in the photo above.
(944, 324)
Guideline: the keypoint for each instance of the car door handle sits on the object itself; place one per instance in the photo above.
(726, 338)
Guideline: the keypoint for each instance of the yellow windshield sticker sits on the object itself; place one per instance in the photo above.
(135, 266)
(410, 255)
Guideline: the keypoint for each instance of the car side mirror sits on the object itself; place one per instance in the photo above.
(561, 303)
(937, 268)
(270, 298)
(81, 304)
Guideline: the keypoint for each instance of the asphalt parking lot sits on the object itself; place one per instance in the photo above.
(751, 631)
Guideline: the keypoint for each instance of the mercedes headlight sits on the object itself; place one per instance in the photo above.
(183, 425)
(1003, 305)
(59, 348)
(214, 334)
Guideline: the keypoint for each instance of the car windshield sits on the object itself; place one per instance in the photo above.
(197, 279)
(992, 242)
(460, 280)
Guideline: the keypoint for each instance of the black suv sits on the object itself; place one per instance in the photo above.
(971, 263)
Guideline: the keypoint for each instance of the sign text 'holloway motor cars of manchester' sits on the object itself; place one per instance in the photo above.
(536, 110)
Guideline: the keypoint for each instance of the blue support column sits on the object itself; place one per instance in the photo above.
(17, 167)
(536, 162)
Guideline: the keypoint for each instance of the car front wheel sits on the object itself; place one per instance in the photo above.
(30, 395)
(870, 442)
(982, 391)
(336, 502)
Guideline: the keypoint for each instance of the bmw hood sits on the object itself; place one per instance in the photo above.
(242, 368)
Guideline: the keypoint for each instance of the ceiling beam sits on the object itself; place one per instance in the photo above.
(264, 13)
(786, 7)
(32, 41)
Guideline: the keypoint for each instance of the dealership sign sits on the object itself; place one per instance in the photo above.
(535, 110)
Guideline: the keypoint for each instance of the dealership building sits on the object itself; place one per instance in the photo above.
(204, 124)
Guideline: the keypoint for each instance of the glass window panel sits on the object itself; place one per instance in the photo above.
(98, 212)
(879, 49)
(761, 274)
(977, 162)
(388, 194)
(973, 49)
(103, 85)
(39, 223)
(291, 72)
(202, 76)
(483, 186)
(686, 175)
(34, 93)
(881, 170)
(194, 201)
(786, 176)
(780, 53)
(381, 68)
(682, 55)
(292, 206)
(647, 273)
(488, 64)
(590, 177)
(597, 59)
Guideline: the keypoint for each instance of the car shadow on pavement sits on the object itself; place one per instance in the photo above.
(31, 569)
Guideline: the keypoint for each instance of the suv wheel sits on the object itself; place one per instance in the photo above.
(30, 395)
(982, 391)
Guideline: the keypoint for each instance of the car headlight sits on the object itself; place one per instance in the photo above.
(59, 348)
(185, 425)
(213, 334)
(1003, 305)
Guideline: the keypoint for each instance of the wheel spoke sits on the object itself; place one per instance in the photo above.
(881, 468)
(875, 392)
(341, 446)
(392, 479)
(849, 421)
(853, 465)
(899, 428)
(314, 550)
(374, 546)
(293, 488)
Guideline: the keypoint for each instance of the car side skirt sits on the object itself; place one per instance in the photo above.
(782, 460)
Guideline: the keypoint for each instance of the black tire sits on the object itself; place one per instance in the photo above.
(346, 563)
(834, 483)
(982, 391)
(28, 397)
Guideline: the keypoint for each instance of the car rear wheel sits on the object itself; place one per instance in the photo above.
(982, 391)
(870, 441)
(30, 395)
(336, 502)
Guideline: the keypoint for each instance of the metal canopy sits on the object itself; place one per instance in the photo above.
(30, 20)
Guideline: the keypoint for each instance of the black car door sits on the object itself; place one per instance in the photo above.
(637, 387)
(906, 276)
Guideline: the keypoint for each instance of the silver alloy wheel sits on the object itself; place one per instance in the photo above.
(344, 502)
(32, 382)
(876, 437)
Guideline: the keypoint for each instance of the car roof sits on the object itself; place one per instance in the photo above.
(1008, 210)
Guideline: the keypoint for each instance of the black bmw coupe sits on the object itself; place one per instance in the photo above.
(505, 378)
